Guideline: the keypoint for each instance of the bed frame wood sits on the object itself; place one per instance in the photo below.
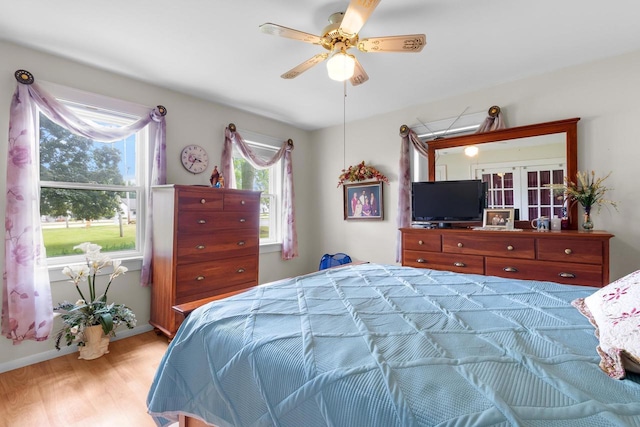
(186, 421)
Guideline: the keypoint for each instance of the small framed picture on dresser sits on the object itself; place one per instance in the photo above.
(498, 218)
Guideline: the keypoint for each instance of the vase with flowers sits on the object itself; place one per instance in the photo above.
(361, 172)
(91, 320)
(588, 191)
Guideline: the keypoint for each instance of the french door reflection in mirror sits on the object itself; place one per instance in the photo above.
(523, 187)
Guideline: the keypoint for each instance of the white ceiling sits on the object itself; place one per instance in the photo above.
(214, 50)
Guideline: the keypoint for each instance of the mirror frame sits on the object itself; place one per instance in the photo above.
(569, 127)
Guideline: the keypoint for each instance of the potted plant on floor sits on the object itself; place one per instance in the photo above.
(90, 322)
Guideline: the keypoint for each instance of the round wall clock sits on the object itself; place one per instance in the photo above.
(194, 158)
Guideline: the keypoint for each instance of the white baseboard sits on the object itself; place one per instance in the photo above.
(52, 354)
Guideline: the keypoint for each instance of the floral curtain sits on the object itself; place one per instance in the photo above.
(290, 237)
(409, 137)
(27, 309)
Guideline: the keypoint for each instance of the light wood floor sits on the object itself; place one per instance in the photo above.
(109, 391)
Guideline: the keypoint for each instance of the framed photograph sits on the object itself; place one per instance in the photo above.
(497, 218)
(363, 200)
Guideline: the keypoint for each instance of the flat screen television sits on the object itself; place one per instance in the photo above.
(443, 203)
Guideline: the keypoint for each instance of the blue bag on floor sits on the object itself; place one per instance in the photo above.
(329, 260)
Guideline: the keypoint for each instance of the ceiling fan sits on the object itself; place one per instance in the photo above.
(341, 35)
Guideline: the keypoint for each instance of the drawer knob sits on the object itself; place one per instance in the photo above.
(421, 260)
(242, 202)
(567, 275)
(202, 221)
(510, 269)
(200, 247)
(241, 243)
(240, 270)
(420, 242)
(460, 245)
(243, 220)
(203, 201)
(199, 278)
(509, 248)
(568, 251)
(459, 264)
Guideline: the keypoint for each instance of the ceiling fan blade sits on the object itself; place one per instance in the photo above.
(356, 15)
(359, 75)
(299, 69)
(408, 43)
(279, 30)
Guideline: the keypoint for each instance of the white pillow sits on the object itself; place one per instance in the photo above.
(615, 312)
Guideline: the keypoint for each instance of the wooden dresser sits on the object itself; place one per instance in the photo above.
(568, 256)
(205, 243)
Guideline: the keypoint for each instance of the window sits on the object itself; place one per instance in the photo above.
(91, 190)
(269, 181)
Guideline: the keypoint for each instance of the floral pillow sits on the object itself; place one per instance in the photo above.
(615, 312)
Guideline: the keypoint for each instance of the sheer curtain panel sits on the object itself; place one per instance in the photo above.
(289, 235)
(409, 138)
(27, 309)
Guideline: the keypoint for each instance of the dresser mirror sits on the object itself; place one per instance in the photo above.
(517, 162)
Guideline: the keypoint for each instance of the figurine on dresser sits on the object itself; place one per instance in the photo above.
(215, 176)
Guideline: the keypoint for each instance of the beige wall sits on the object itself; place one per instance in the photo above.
(605, 94)
(189, 120)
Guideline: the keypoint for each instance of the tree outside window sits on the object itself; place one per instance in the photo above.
(268, 181)
(88, 189)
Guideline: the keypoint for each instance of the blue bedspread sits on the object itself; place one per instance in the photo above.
(379, 345)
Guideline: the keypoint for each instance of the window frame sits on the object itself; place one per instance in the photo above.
(91, 105)
(264, 142)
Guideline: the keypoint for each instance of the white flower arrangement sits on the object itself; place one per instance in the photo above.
(95, 310)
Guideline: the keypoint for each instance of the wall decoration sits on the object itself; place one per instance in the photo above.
(194, 159)
(361, 172)
(363, 201)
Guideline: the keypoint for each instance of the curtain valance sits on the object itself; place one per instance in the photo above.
(289, 235)
(27, 309)
(409, 138)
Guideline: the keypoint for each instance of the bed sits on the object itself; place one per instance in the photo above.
(384, 345)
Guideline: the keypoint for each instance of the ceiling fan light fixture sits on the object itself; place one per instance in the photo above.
(341, 66)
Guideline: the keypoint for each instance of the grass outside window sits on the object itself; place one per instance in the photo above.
(60, 241)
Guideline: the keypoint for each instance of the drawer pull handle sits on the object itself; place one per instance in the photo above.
(241, 243)
(203, 201)
(509, 248)
(460, 245)
(202, 221)
(421, 260)
(200, 247)
(420, 242)
(567, 275)
(199, 278)
(243, 220)
(459, 264)
(242, 202)
(510, 269)
(240, 270)
(568, 251)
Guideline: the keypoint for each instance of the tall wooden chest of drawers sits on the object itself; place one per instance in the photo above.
(205, 243)
(571, 256)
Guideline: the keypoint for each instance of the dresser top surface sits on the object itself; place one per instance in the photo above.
(594, 234)
(181, 187)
